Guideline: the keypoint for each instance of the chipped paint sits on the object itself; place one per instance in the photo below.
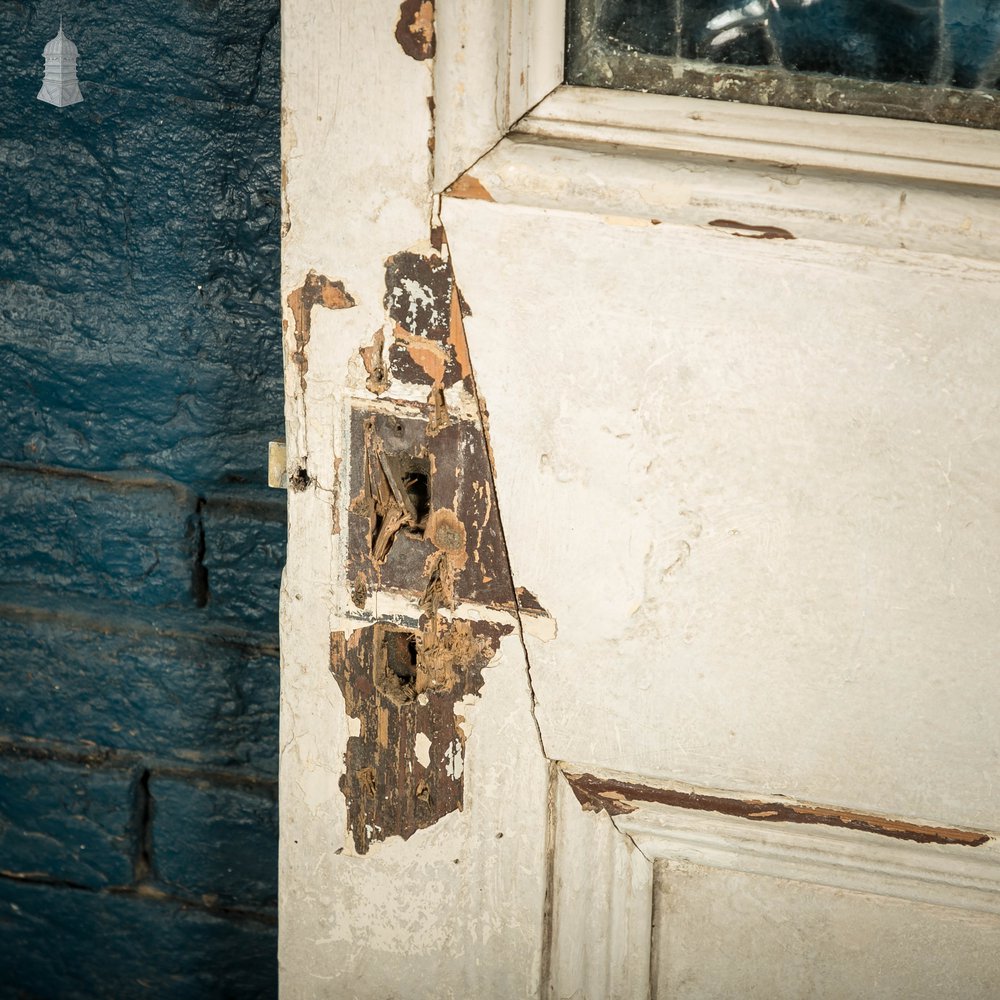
(527, 603)
(426, 310)
(455, 553)
(317, 289)
(404, 768)
(468, 186)
(422, 749)
(424, 538)
(752, 232)
(415, 29)
(617, 797)
(373, 358)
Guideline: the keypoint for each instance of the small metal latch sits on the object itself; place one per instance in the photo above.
(277, 465)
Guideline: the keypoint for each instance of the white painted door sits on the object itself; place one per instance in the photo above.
(640, 616)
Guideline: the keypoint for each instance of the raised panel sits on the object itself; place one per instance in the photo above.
(753, 482)
(720, 934)
(712, 900)
(600, 905)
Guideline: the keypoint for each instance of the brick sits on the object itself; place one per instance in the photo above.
(195, 420)
(66, 822)
(215, 841)
(173, 205)
(198, 52)
(114, 540)
(191, 698)
(136, 543)
(140, 329)
(244, 554)
(78, 945)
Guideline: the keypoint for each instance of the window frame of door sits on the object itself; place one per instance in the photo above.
(499, 71)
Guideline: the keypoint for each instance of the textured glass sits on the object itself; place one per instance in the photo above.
(932, 60)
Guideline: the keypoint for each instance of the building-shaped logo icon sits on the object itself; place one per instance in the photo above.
(60, 86)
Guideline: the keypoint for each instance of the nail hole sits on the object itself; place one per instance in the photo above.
(299, 479)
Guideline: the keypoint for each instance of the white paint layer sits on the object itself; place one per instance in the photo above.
(745, 427)
(422, 749)
(454, 911)
(754, 482)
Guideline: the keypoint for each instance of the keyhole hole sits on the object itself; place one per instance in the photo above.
(417, 487)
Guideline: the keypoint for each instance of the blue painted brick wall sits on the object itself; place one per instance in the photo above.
(140, 550)
(66, 821)
(69, 677)
(194, 825)
(129, 946)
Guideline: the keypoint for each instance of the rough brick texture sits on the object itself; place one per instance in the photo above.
(139, 251)
(140, 550)
(75, 535)
(68, 822)
(194, 826)
(202, 701)
(244, 553)
(79, 945)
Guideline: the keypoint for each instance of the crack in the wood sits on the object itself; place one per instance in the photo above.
(484, 429)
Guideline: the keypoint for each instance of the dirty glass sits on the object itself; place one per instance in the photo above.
(929, 60)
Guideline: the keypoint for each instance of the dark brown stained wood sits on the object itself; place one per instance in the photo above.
(415, 29)
(752, 232)
(459, 548)
(618, 797)
(404, 770)
(426, 309)
(423, 523)
(528, 603)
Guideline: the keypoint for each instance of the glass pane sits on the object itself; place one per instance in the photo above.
(930, 60)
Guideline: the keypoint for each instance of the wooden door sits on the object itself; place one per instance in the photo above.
(640, 613)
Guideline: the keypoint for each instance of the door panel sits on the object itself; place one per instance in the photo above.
(720, 934)
(754, 484)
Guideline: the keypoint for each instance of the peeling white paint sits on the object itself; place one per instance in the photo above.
(454, 761)
(347, 922)
(422, 749)
(540, 627)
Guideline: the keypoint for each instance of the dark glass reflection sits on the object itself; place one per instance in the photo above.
(933, 42)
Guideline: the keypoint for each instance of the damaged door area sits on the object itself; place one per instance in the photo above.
(423, 516)
(316, 290)
(426, 311)
(404, 768)
(422, 519)
(423, 527)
